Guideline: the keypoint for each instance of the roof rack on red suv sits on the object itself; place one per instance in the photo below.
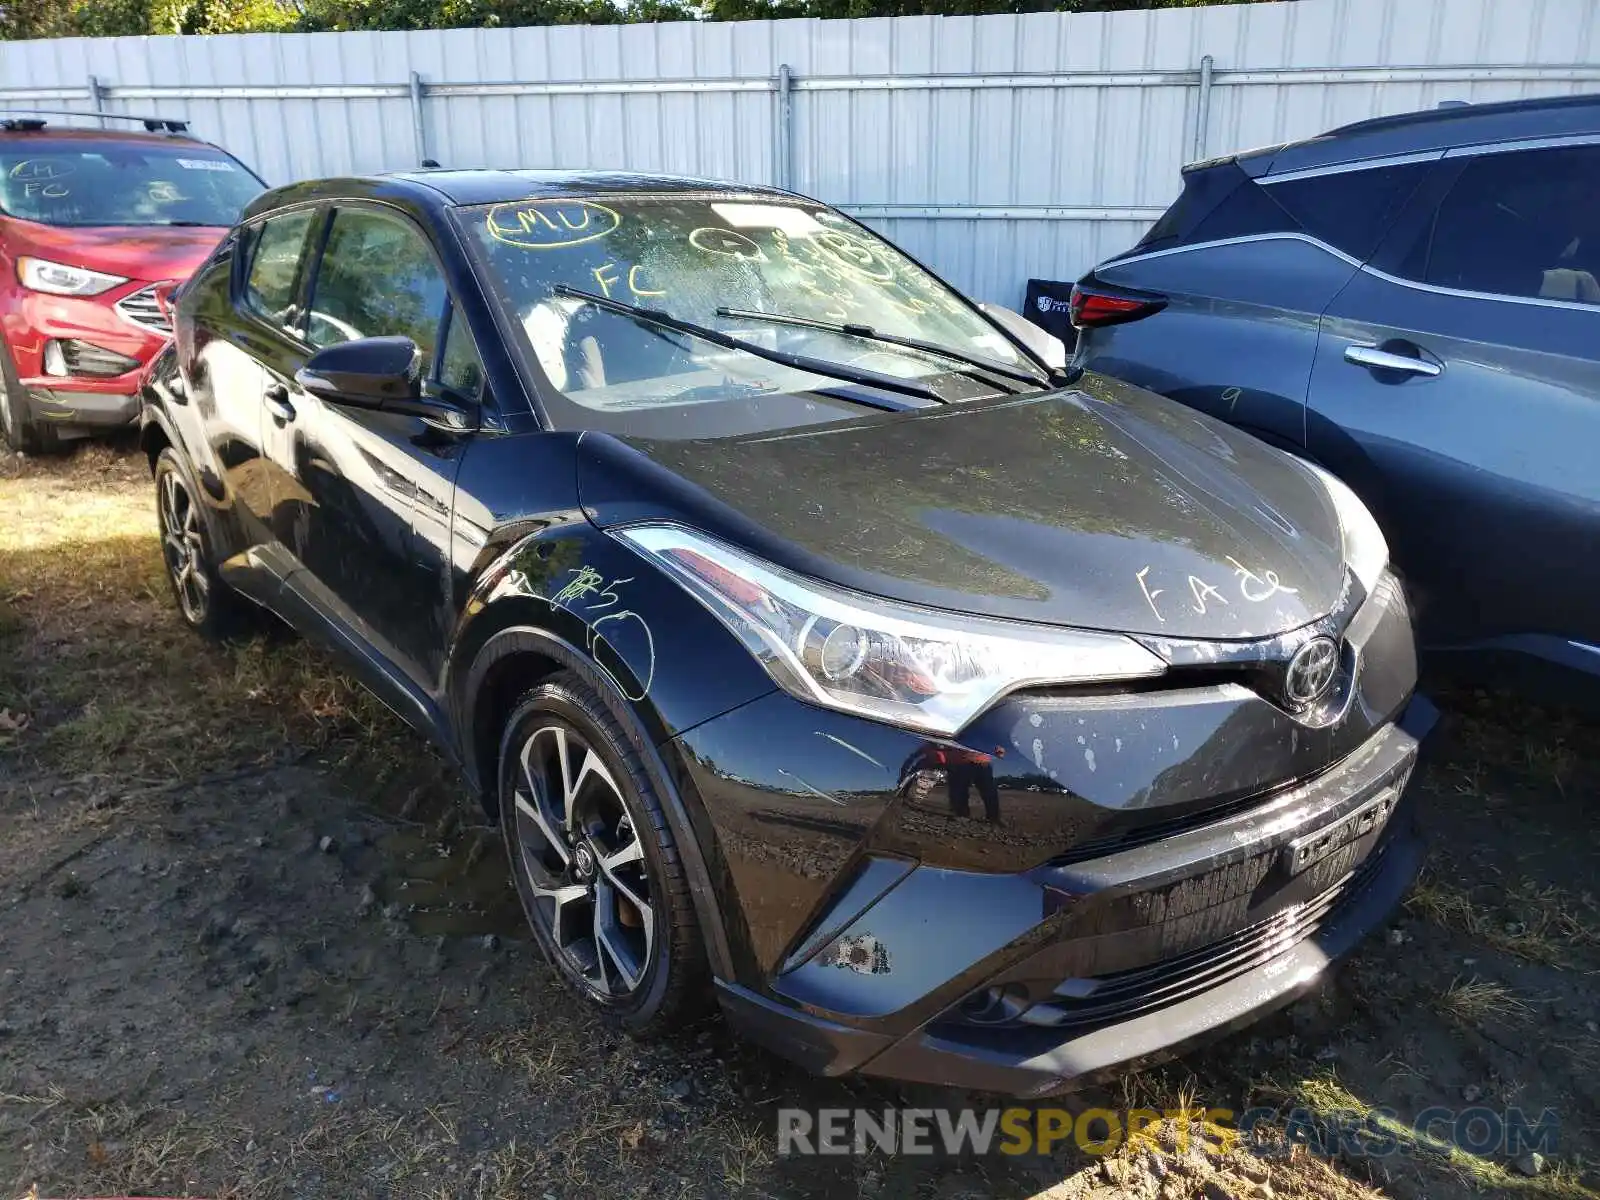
(31, 119)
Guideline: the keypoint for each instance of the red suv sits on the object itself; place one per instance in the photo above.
(96, 229)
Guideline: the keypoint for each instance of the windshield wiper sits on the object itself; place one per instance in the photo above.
(800, 362)
(891, 339)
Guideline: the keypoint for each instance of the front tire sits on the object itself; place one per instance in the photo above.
(594, 860)
(206, 604)
(18, 428)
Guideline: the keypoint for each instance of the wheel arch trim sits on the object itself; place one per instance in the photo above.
(530, 639)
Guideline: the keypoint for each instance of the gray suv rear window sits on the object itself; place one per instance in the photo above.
(1349, 210)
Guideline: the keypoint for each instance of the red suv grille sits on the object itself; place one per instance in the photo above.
(143, 308)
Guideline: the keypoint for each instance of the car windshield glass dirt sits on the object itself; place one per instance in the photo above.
(782, 276)
(63, 183)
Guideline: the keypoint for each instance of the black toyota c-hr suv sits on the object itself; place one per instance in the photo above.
(820, 643)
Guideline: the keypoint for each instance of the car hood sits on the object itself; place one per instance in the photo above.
(150, 253)
(1104, 507)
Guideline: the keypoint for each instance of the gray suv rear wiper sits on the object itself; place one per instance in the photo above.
(800, 362)
(891, 339)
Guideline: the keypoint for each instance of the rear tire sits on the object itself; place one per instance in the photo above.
(594, 860)
(18, 427)
(206, 604)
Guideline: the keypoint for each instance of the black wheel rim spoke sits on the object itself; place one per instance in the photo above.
(583, 862)
(182, 547)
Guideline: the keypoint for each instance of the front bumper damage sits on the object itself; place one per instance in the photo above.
(1078, 884)
(95, 409)
(1101, 966)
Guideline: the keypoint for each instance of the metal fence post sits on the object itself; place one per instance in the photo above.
(784, 141)
(418, 134)
(97, 99)
(1202, 116)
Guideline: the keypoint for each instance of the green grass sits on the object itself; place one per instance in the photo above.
(106, 677)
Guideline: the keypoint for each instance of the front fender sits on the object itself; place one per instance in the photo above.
(565, 595)
(664, 657)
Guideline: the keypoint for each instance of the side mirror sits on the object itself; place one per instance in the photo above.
(385, 374)
(1048, 348)
(370, 372)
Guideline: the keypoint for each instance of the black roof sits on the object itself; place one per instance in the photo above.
(1434, 129)
(488, 186)
(436, 187)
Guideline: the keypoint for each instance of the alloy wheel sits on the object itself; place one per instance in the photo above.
(584, 863)
(183, 549)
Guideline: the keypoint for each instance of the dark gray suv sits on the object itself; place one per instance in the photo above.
(1412, 302)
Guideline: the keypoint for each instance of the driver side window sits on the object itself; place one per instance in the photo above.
(459, 367)
(377, 278)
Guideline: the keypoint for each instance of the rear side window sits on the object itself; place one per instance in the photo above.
(1520, 224)
(1219, 201)
(1349, 210)
(270, 287)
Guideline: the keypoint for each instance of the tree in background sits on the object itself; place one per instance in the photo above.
(483, 14)
(111, 18)
(108, 18)
(750, 10)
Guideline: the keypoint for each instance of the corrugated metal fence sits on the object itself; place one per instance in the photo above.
(993, 147)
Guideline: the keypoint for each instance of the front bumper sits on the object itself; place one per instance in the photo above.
(32, 319)
(60, 405)
(1112, 963)
(1079, 881)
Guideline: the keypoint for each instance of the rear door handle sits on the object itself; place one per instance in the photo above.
(1384, 360)
(276, 399)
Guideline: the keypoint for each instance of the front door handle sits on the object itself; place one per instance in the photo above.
(276, 399)
(1385, 360)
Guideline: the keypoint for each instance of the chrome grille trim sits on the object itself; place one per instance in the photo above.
(141, 308)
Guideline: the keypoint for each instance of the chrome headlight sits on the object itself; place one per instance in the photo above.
(1366, 552)
(915, 667)
(58, 279)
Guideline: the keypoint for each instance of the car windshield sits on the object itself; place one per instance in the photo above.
(122, 183)
(793, 279)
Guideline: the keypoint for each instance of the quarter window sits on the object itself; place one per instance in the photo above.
(271, 286)
(1350, 210)
(377, 278)
(1521, 224)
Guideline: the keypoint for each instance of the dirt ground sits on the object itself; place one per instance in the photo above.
(256, 942)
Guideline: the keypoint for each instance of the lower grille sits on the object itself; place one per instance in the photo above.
(144, 310)
(1082, 1004)
(85, 358)
(1156, 831)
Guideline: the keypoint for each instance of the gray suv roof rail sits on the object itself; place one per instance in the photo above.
(1434, 129)
(1461, 112)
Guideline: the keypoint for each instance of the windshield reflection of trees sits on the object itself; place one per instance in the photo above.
(682, 255)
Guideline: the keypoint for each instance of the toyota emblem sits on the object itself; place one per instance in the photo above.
(583, 861)
(1311, 671)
